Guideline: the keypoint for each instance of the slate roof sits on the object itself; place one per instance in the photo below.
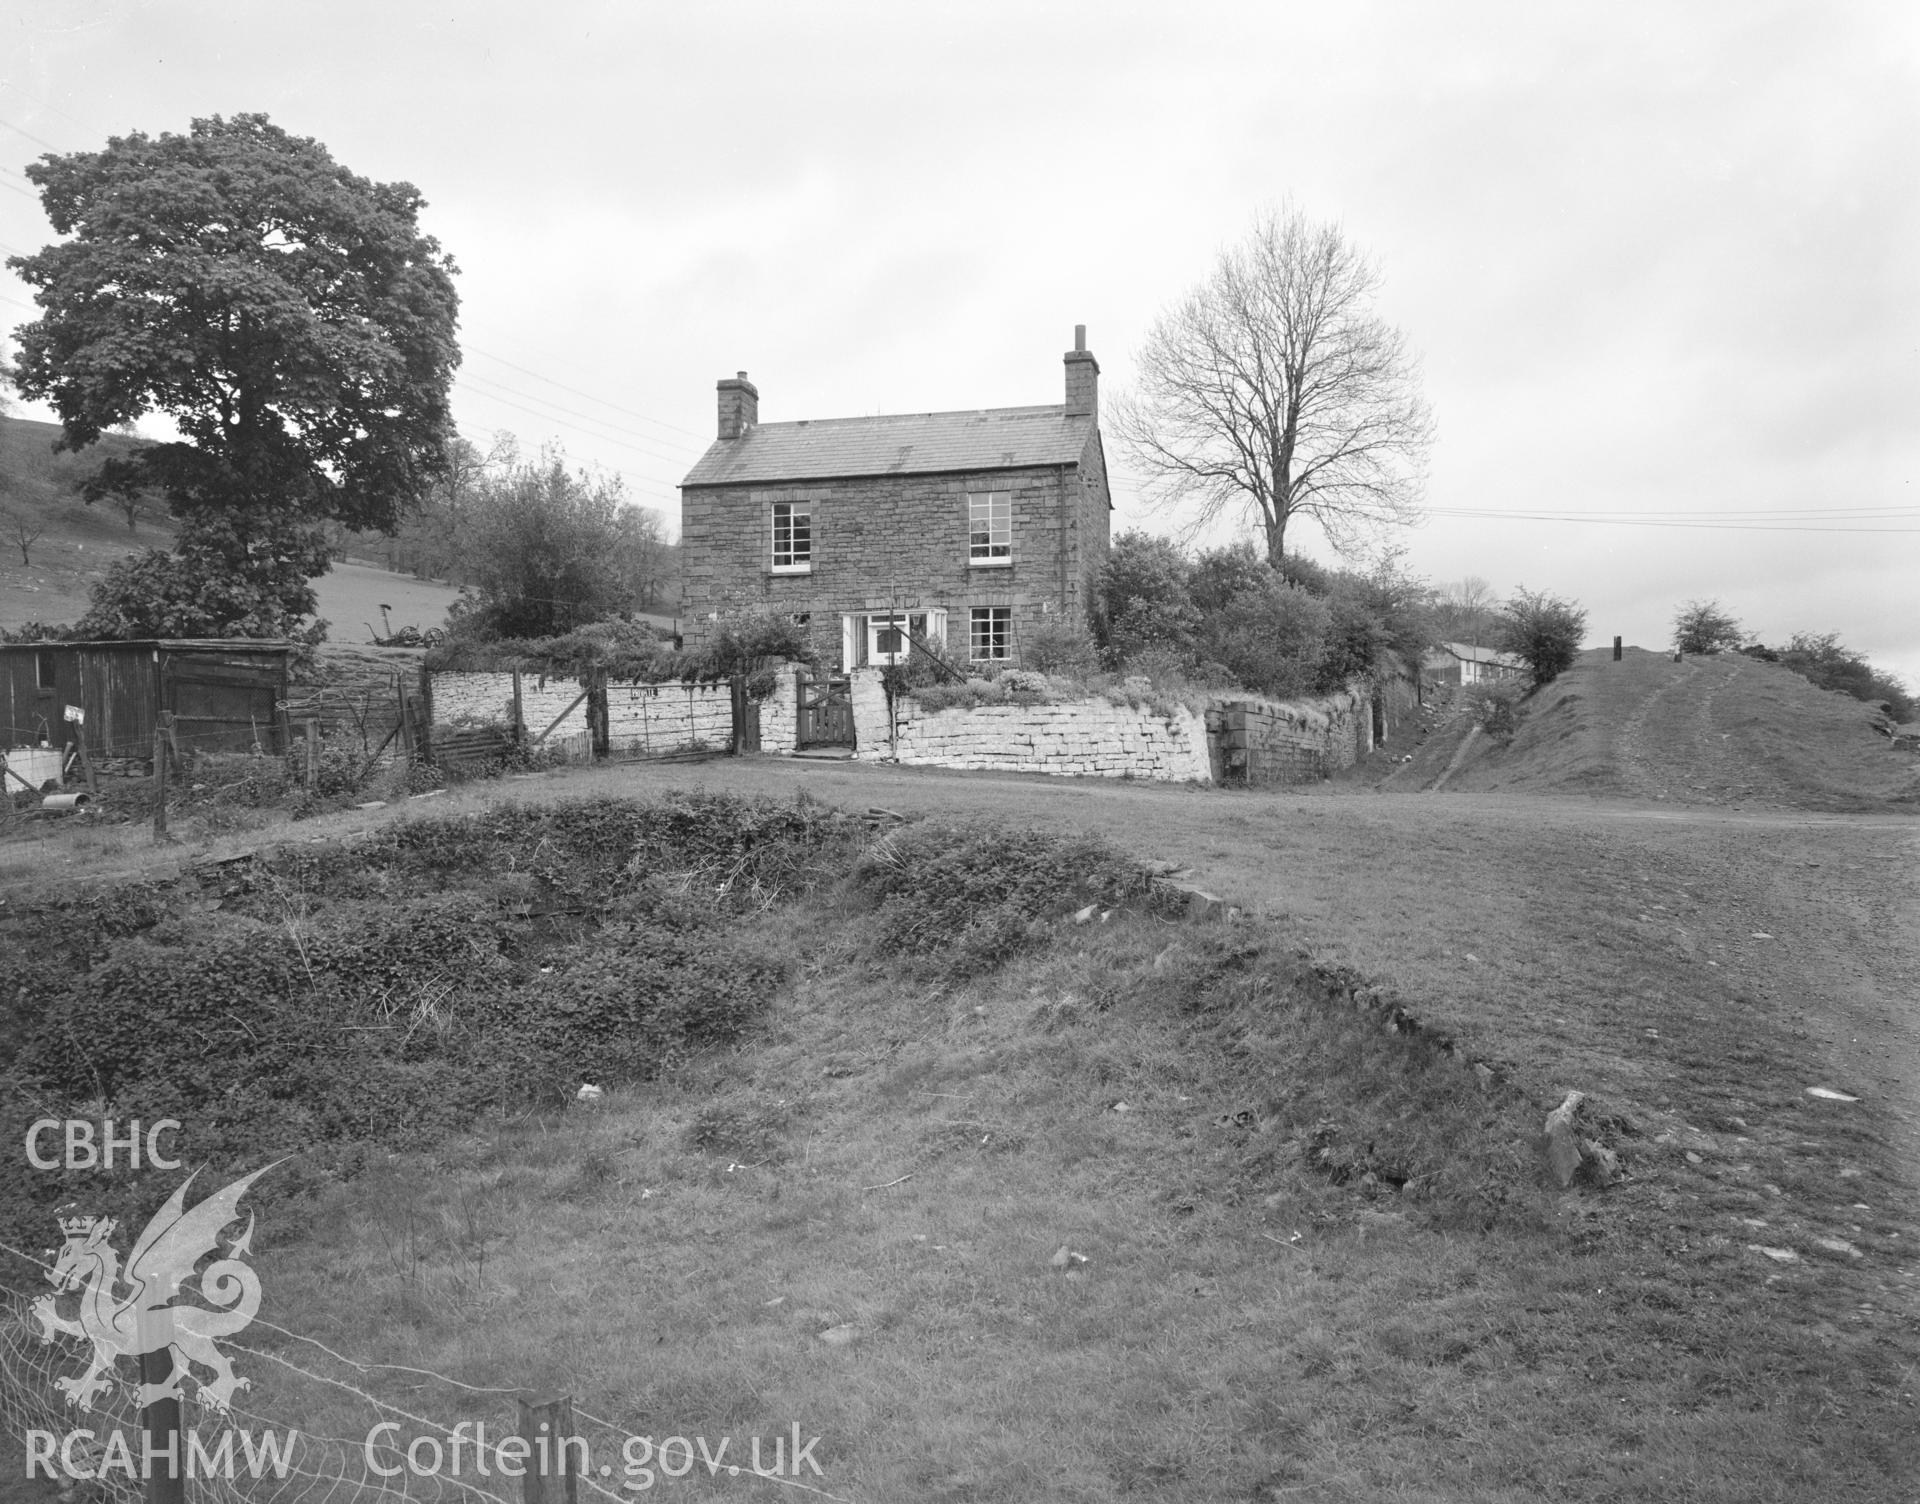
(994, 438)
(1466, 652)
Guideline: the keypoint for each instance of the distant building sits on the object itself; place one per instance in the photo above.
(966, 532)
(1465, 663)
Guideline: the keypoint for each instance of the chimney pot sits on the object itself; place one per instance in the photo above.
(1079, 339)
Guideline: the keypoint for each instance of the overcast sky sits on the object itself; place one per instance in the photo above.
(1661, 262)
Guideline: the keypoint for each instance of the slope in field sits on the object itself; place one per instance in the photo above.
(1723, 730)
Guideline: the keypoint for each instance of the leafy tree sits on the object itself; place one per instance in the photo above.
(287, 315)
(1274, 390)
(1542, 630)
(548, 549)
(1702, 627)
(1141, 601)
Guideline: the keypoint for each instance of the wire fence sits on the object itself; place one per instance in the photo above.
(314, 1429)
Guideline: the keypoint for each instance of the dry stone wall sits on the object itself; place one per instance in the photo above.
(1091, 738)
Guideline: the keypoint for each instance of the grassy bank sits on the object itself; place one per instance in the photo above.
(1306, 1256)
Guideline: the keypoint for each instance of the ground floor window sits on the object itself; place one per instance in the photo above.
(881, 638)
(990, 633)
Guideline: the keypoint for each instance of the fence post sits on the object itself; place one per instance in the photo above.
(312, 728)
(159, 780)
(547, 1428)
(519, 714)
(166, 1470)
(1616, 650)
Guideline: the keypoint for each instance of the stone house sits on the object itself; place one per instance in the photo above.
(964, 532)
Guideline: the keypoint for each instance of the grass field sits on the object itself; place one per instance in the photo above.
(1321, 1259)
(350, 596)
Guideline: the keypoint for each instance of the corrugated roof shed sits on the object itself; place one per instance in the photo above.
(994, 438)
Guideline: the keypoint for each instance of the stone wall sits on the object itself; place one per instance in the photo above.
(780, 714)
(1302, 741)
(645, 720)
(488, 696)
(1090, 738)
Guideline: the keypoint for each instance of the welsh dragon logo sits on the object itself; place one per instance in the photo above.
(129, 1312)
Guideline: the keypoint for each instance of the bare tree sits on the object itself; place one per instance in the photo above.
(1465, 610)
(1275, 388)
(23, 530)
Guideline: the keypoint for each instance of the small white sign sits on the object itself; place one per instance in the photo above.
(76, 714)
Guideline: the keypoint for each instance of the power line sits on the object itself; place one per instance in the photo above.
(490, 388)
(21, 130)
(1751, 527)
(576, 391)
(1708, 512)
(549, 418)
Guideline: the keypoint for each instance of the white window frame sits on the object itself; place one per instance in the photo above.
(864, 629)
(979, 616)
(796, 561)
(887, 621)
(989, 538)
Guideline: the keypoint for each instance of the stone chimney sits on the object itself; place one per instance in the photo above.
(1083, 377)
(739, 406)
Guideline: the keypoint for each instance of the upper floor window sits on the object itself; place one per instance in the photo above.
(792, 538)
(990, 515)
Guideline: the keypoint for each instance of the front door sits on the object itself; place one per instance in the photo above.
(826, 712)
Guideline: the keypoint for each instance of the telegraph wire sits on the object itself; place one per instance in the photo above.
(1749, 527)
(600, 429)
(488, 396)
(576, 391)
(21, 130)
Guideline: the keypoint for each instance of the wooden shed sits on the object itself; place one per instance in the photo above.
(225, 693)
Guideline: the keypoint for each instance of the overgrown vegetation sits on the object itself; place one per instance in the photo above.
(357, 997)
(743, 642)
(1227, 618)
(1823, 659)
(541, 549)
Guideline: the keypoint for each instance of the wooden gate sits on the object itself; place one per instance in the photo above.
(826, 712)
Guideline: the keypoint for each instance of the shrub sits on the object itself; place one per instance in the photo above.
(1543, 631)
(963, 900)
(1821, 658)
(1495, 706)
(1061, 650)
(1702, 627)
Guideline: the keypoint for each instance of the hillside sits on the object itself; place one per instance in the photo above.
(1727, 731)
(78, 543)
